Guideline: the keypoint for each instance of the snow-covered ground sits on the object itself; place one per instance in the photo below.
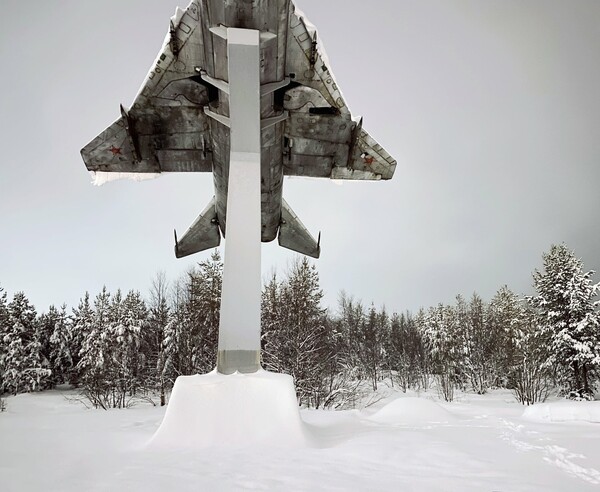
(50, 442)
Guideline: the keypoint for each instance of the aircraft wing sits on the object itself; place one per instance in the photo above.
(166, 129)
(322, 139)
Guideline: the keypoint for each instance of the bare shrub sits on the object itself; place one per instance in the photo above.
(530, 382)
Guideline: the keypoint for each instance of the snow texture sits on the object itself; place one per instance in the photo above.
(413, 411)
(51, 442)
(230, 412)
(100, 178)
(565, 411)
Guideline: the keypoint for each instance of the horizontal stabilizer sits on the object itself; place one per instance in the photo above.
(202, 235)
(293, 235)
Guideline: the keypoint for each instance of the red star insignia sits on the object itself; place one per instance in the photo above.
(115, 150)
(369, 159)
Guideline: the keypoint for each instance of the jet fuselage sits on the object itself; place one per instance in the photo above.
(179, 121)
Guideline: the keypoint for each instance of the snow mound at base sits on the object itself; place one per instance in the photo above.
(412, 411)
(235, 411)
(564, 411)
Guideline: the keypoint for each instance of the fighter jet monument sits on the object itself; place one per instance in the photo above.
(244, 90)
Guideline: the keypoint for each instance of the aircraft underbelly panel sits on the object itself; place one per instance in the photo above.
(179, 120)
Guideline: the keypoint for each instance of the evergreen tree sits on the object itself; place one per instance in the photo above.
(25, 369)
(529, 376)
(4, 329)
(80, 328)
(568, 317)
(350, 322)
(61, 360)
(426, 361)
(205, 306)
(191, 335)
(158, 319)
(443, 341)
(405, 352)
(128, 319)
(373, 333)
(45, 328)
(505, 318)
(173, 346)
(178, 337)
(479, 340)
(271, 323)
(296, 337)
(96, 354)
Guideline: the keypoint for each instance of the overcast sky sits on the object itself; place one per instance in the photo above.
(492, 109)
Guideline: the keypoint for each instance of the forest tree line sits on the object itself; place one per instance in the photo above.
(118, 348)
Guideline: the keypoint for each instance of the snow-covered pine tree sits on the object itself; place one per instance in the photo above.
(110, 356)
(445, 347)
(24, 367)
(45, 328)
(271, 319)
(116, 362)
(351, 317)
(405, 352)
(191, 334)
(505, 319)
(61, 360)
(170, 363)
(205, 311)
(478, 341)
(297, 342)
(80, 328)
(95, 373)
(180, 336)
(158, 319)
(569, 318)
(426, 361)
(4, 320)
(128, 359)
(529, 376)
(373, 334)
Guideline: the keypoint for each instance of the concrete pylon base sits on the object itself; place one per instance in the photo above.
(234, 411)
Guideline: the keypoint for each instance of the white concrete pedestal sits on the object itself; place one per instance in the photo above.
(232, 411)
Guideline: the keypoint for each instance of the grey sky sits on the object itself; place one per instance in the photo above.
(492, 109)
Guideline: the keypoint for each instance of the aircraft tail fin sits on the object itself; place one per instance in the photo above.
(294, 235)
(202, 235)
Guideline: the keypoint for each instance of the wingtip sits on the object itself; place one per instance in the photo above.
(176, 244)
(317, 254)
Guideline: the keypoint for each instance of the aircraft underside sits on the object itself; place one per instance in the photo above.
(179, 119)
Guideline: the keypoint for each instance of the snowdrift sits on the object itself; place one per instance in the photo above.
(564, 411)
(412, 411)
(235, 411)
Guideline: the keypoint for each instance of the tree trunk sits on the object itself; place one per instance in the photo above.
(584, 373)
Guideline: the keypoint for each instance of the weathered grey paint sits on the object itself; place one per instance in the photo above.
(178, 121)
